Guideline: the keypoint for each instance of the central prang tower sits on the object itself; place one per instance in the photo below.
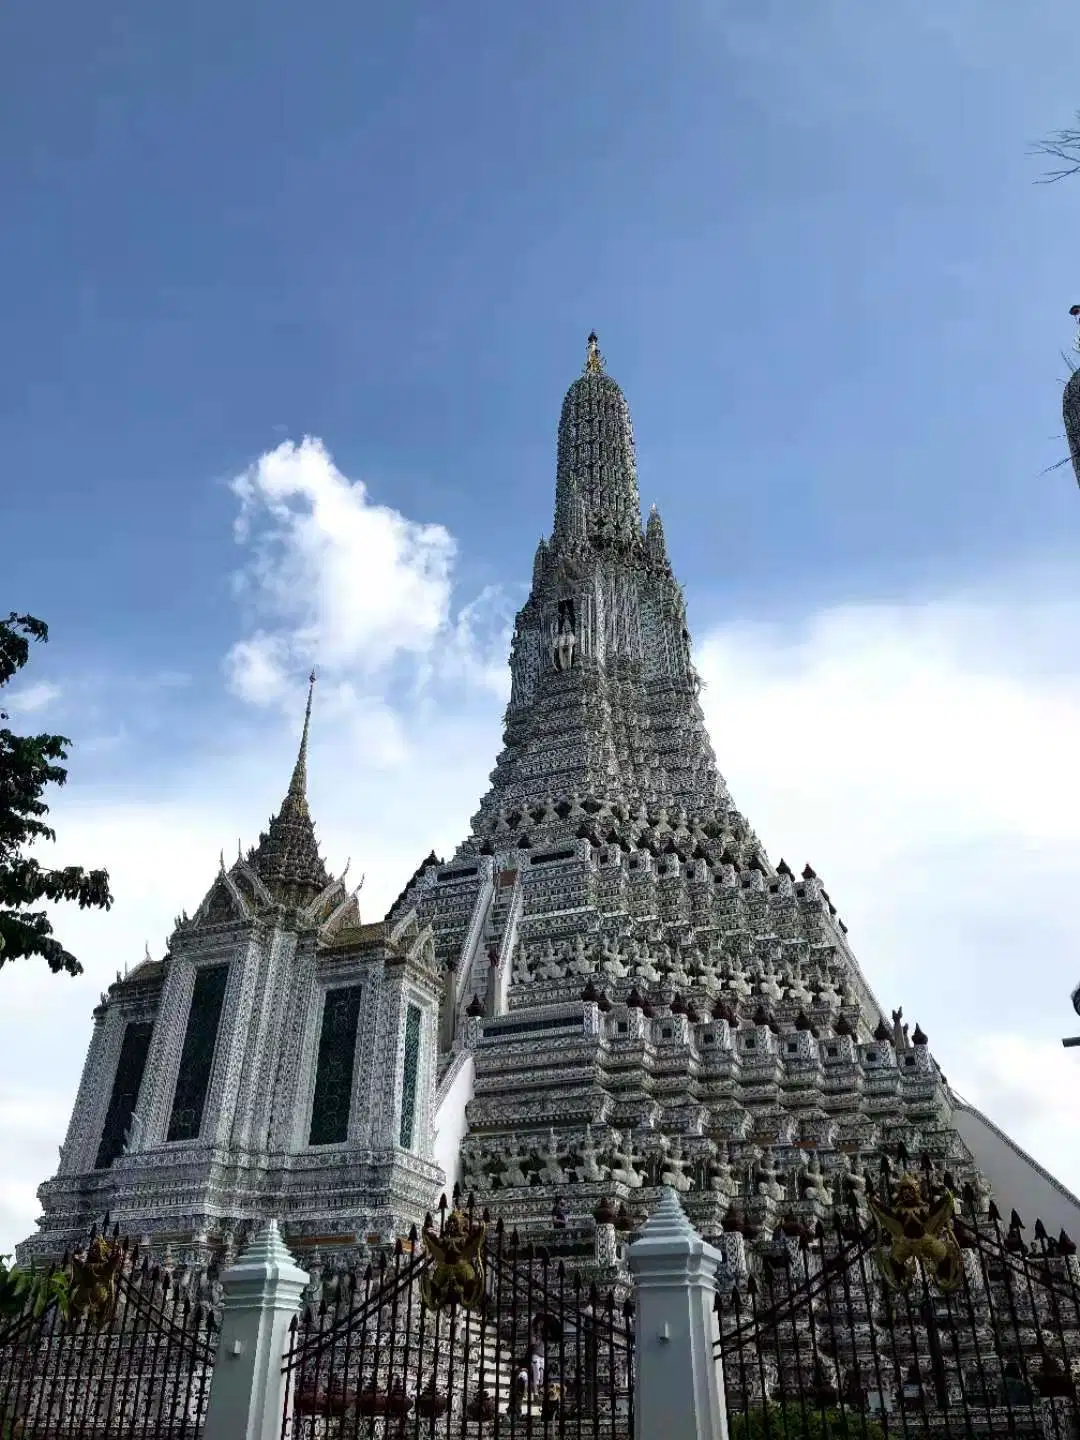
(604, 693)
(607, 989)
(643, 997)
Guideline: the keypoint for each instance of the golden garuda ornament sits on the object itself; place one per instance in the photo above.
(457, 1276)
(911, 1235)
(94, 1277)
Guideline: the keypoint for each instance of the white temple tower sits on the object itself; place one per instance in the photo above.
(608, 988)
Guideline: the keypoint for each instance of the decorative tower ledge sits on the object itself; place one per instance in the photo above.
(262, 1294)
(678, 1382)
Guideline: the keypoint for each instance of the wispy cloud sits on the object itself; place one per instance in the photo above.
(332, 578)
(32, 698)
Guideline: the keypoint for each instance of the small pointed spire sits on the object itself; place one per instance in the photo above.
(594, 361)
(655, 543)
(287, 853)
(298, 783)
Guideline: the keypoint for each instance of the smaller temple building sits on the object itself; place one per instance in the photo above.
(280, 1060)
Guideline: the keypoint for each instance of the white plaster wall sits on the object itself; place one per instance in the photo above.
(450, 1125)
(1018, 1181)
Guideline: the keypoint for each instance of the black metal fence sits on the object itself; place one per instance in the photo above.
(919, 1322)
(461, 1330)
(124, 1350)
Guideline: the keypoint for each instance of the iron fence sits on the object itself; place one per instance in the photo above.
(126, 1352)
(461, 1330)
(916, 1322)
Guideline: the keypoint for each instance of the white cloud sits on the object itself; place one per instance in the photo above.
(331, 578)
(30, 699)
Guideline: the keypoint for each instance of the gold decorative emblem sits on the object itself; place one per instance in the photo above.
(94, 1277)
(457, 1277)
(912, 1235)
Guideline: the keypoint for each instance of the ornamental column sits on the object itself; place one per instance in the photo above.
(678, 1380)
(262, 1294)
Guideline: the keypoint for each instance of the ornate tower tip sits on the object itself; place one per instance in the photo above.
(594, 361)
(1075, 313)
(298, 784)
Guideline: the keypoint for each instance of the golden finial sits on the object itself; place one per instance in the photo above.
(594, 361)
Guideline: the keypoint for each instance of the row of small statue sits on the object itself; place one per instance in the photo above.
(661, 824)
(660, 1161)
(660, 963)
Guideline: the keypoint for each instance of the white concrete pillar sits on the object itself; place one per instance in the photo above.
(678, 1381)
(262, 1294)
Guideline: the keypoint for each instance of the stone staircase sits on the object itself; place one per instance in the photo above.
(500, 928)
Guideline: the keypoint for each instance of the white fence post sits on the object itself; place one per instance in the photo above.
(678, 1380)
(262, 1294)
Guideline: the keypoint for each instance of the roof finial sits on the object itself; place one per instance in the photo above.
(594, 361)
(298, 783)
(1075, 313)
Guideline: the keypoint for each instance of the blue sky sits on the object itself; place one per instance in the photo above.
(812, 243)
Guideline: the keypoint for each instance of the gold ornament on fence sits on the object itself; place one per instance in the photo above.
(911, 1235)
(94, 1278)
(457, 1276)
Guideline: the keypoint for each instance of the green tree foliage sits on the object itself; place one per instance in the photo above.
(26, 1291)
(28, 763)
(791, 1422)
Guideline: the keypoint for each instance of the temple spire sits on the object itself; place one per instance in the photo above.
(298, 783)
(287, 855)
(596, 494)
